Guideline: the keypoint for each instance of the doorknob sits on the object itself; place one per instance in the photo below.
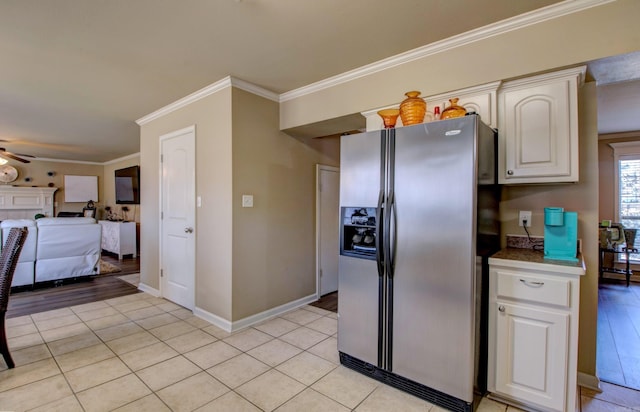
(188, 230)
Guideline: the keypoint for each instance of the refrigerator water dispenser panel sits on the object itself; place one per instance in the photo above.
(358, 232)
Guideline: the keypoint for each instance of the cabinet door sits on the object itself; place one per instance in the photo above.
(531, 354)
(537, 132)
(480, 103)
(538, 128)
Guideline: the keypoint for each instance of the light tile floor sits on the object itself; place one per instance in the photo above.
(141, 353)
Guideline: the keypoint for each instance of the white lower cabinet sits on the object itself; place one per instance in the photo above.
(534, 345)
(533, 334)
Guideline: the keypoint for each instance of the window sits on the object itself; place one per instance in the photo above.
(627, 175)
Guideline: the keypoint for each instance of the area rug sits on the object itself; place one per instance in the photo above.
(106, 268)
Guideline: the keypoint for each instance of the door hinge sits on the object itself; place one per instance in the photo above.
(161, 273)
(161, 215)
(161, 158)
(320, 272)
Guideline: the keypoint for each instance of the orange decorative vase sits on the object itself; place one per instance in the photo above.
(389, 117)
(453, 111)
(412, 109)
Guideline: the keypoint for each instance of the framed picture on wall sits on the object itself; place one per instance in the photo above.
(80, 188)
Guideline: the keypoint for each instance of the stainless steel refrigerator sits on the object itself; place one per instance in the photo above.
(419, 218)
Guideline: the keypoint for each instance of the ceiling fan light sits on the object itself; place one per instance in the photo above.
(3, 161)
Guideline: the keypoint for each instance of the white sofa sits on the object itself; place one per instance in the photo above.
(63, 248)
(25, 269)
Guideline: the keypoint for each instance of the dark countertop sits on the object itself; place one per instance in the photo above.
(536, 257)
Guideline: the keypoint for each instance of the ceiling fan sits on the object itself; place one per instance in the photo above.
(15, 156)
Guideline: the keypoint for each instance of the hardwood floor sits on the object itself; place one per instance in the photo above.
(46, 297)
(328, 302)
(618, 344)
(126, 265)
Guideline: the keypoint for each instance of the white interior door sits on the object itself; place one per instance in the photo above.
(328, 211)
(177, 218)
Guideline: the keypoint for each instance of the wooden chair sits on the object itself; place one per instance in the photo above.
(8, 261)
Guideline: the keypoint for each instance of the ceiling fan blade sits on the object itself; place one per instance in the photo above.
(12, 156)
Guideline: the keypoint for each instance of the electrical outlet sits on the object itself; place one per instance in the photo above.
(524, 215)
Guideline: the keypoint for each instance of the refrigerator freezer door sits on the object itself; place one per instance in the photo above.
(360, 157)
(433, 309)
(358, 306)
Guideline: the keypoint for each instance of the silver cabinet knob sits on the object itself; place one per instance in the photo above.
(510, 172)
(188, 230)
(501, 308)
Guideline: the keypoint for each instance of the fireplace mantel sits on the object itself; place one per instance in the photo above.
(25, 202)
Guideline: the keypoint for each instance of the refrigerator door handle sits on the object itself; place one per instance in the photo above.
(379, 252)
(393, 234)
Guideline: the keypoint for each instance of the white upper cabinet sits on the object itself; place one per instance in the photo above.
(538, 128)
(480, 99)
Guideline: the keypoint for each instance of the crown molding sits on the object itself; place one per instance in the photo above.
(187, 100)
(84, 162)
(121, 159)
(257, 90)
(620, 135)
(207, 91)
(501, 27)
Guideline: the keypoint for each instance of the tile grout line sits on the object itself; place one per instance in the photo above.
(221, 340)
(118, 356)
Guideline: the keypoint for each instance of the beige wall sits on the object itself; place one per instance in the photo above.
(212, 119)
(582, 198)
(37, 170)
(248, 260)
(597, 32)
(273, 242)
(109, 189)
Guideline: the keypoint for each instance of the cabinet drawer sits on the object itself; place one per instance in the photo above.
(534, 288)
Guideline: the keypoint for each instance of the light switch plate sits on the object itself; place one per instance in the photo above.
(247, 200)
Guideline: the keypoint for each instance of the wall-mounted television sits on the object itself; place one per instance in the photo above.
(127, 186)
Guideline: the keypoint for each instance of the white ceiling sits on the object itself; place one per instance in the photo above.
(618, 80)
(76, 74)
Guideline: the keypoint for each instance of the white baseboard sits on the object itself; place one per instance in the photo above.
(253, 319)
(213, 319)
(589, 381)
(148, 289)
